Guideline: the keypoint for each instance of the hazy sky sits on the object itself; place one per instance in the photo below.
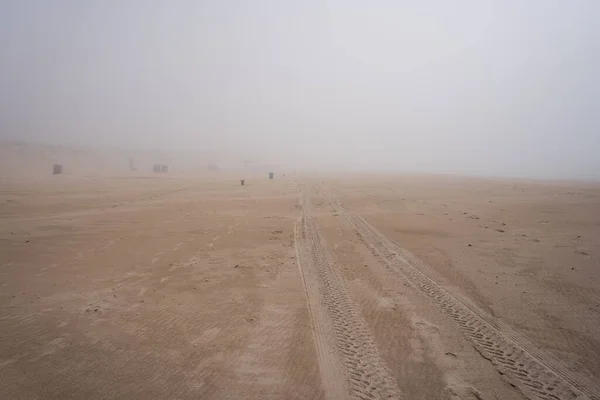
(492, 87)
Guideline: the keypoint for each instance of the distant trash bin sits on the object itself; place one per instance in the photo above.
(57, 169)
(242, 181)
(271, 175)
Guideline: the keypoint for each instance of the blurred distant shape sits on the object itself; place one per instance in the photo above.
(160, 168)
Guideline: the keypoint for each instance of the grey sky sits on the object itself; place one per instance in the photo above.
(493, 87)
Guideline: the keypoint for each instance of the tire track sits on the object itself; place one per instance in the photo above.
(349, 359)
(538, 374)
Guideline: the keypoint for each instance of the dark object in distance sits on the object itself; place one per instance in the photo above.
(271, 175)
(160, 168)
(57, 169)
(242, 181)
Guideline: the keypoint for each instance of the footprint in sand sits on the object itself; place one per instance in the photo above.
(427, 328)
(157, 256)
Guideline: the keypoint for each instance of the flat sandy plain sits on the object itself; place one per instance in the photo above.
(303, 287)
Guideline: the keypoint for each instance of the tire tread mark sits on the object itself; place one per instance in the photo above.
(366, 374)
(536, 373)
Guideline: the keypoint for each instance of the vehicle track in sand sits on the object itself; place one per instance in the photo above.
(349, 359)
(539, 375)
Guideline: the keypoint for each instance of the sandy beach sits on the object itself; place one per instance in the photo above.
(140, 285)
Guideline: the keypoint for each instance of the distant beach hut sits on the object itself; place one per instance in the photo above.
(160, 168)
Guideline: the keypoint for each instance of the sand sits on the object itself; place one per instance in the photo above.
(138, 286)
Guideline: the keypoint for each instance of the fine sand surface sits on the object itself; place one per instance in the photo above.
(303, 287)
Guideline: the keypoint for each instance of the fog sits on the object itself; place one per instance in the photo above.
(478, 87)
